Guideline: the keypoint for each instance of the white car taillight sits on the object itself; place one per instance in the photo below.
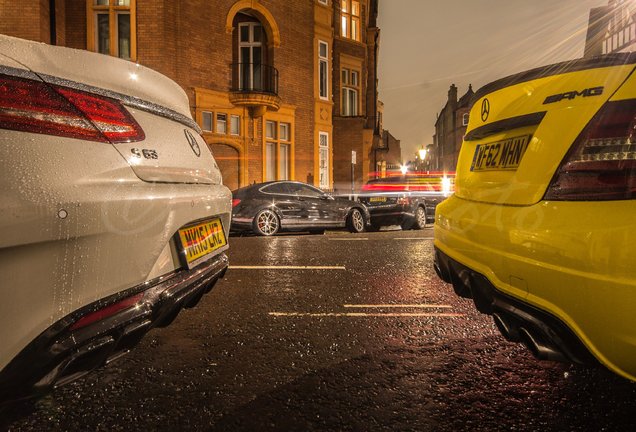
(601, 164)
(33, 106)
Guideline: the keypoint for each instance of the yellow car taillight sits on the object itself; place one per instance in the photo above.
(601, 164)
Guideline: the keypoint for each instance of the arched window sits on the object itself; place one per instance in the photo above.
(253, 69)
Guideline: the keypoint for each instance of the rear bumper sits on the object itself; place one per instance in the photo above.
(547, 337)
(62, 354)
(571, 261)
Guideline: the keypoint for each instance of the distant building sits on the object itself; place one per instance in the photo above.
(388, 157)
(611, 28)
(281, 89)
(355, 81)
(450, 129)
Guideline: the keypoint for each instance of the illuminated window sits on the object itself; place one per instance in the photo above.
(350, 91)
(465, 119)
(270, 161)
(111, 28)
(278, 150)
(323, 162)
(350, 19)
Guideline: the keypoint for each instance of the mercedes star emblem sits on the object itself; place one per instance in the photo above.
(485, 110)
(193, 143)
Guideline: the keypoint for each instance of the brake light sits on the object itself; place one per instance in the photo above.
(106, 312)
(403, 200)
(33, 106)
(235, 202)
(601, 164)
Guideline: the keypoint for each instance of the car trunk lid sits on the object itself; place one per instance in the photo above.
(521, 127)
(172, 151)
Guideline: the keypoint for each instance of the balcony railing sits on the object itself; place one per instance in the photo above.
(254, 78)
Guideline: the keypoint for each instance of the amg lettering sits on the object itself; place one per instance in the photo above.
(569, 95)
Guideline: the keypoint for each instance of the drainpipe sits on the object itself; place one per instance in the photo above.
(52, 23)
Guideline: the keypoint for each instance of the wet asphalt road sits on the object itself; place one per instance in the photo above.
(372, 340)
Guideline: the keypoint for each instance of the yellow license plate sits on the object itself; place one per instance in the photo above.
(201, 240)
(500, 155)
(377, 199)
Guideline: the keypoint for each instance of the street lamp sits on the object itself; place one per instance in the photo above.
(404, 169)
(422, 153)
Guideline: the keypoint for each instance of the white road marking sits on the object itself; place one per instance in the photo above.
(363, 314)
(349, 239)
(286, 267)
(413, 238)
(406, 306)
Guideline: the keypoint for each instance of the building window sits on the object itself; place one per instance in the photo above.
(323, 160)
(350, 92)
(270, 161)
(270, 130)
(323, 69)
(283, 160)
(350, 19)
(465, 119)
(111, 28)
(284, 132)
(235, 125)
(206, 121)
(221, 123)
(251, 37)
(278, 150)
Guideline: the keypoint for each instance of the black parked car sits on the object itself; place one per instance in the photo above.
(405, 200)
(267, 208)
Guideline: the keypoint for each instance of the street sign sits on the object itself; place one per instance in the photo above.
(353, 157)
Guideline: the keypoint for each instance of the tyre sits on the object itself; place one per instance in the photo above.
(420, 218)
(355, 221)
(374, 227)
(407, 224)
(266, 223)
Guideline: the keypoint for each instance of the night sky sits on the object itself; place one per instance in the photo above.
(427, 45)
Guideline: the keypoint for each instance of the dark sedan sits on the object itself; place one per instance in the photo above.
(406, 200)
(267, 208)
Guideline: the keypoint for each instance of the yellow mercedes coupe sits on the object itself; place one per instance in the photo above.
(541, 230)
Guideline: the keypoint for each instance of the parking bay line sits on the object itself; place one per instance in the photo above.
(286, 267)
(414, 238)
(364, 314)
(349, 239)
(405, 306)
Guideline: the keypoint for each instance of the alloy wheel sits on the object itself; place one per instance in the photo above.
(266, 223)
(357, 221)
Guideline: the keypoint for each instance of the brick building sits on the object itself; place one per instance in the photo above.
(388, 156)
(450, 129)
(282, 89)
(611, 28)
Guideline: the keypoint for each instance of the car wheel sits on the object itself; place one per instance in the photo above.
(420, 218)
(266, 223)
(407, 224)
(355, 222)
